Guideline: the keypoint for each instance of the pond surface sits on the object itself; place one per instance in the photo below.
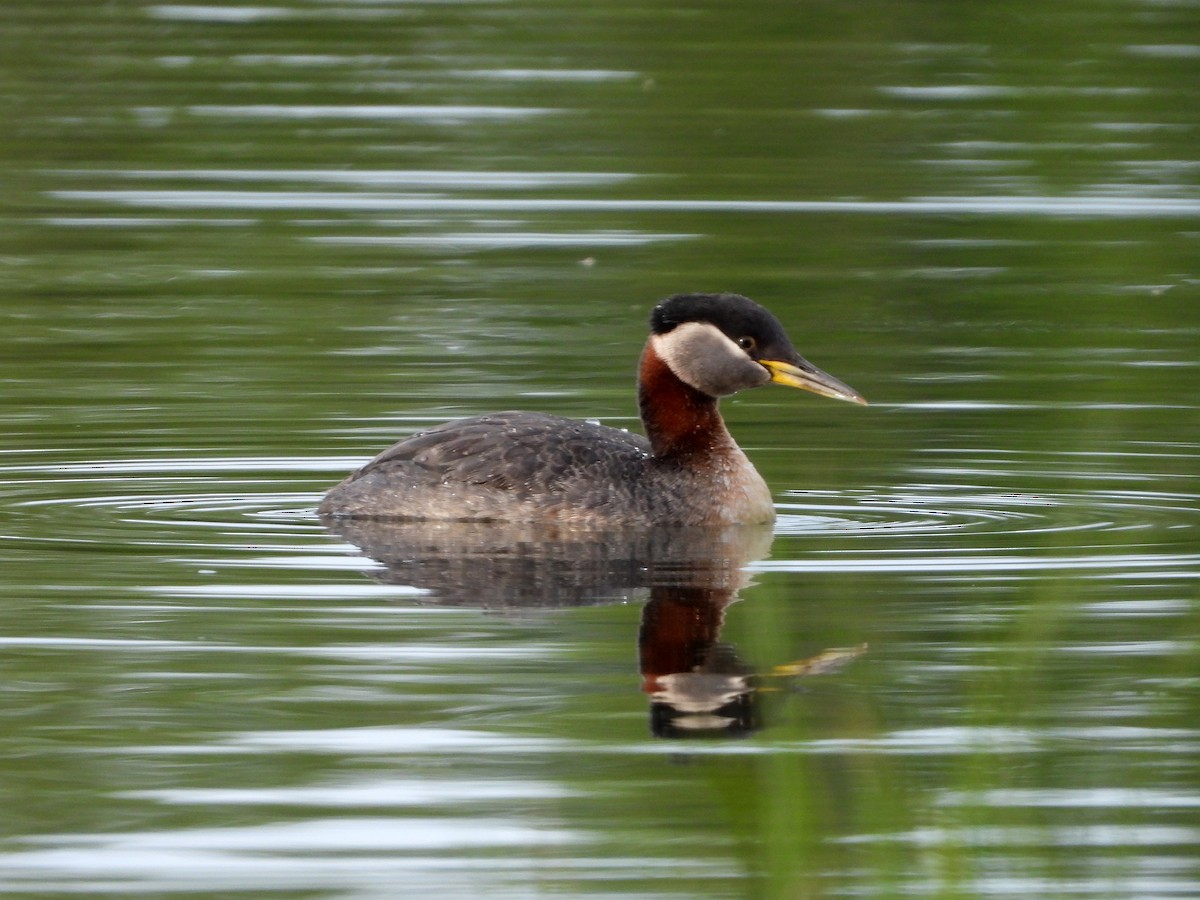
(245, 247)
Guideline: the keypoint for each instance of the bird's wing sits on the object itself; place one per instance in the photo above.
(516, 451)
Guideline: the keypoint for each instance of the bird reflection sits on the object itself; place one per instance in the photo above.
(696, 685)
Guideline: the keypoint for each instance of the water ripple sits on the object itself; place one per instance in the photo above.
(203, 502)
(933, 509)
(240, 502)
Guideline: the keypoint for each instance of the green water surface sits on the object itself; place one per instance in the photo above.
(245, 247)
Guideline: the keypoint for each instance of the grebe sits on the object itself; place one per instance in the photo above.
(523, 466)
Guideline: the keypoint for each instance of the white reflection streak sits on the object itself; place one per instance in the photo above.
(1165, 51)
(982, 564)
(392, 740)
(1069, 836)
(590, 75)
(193, 464)
(955, 740)
(390, 653)
(134, 864)
(492, 240)
(1076, 798)
(988, 92)
(178, 12)
(1088, 207)
(423, 178)
(367, 794)
(368, 111)
(351, 834)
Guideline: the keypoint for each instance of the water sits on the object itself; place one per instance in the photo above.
(245, 247)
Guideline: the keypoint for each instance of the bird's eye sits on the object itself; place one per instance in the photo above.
(747, 343)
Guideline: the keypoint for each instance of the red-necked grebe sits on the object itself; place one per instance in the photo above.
(523, 466)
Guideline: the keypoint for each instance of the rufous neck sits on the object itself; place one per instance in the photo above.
(680, 421)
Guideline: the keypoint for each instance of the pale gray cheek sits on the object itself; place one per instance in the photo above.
(728, 376)
(707, 360)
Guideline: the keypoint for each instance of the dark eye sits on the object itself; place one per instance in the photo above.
(747, 343)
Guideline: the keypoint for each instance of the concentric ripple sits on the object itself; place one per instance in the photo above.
(1014, 493)
(233, 502)
(1005, 515)
(243, 505)
(934, 509)
(906, 513)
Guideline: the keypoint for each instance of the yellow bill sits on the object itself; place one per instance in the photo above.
(807, 377)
